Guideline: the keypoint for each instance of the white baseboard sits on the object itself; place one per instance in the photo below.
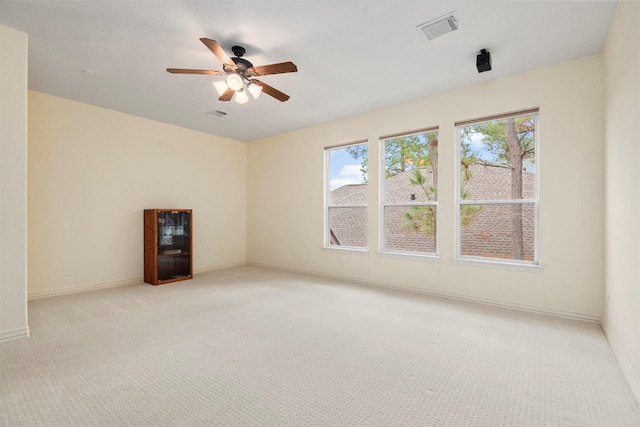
(439, 294)
(218, 267)
(13, 335)
(81, 288)
(627, 367)
(84, 288)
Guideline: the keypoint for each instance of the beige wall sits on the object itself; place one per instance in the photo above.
(91, 173)
(285, 194)
(622, 82)
(13, 183)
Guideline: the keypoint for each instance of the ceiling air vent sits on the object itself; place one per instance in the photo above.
(216, 113)
(439, 26)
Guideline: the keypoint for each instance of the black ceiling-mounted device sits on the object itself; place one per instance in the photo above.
(483, 61)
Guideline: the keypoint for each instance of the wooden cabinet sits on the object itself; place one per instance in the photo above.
(168, 245)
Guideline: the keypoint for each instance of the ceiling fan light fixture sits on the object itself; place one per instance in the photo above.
(234, 81)
(241, 97)
(221, 87)
(255, 90)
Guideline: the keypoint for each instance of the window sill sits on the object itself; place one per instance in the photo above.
(504, 265)
(410, 255)
(346, 249)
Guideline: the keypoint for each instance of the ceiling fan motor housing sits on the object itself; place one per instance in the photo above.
(242, 64)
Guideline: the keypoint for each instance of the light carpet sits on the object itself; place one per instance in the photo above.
(257, 347)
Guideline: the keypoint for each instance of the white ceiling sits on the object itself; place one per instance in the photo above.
(352, 55)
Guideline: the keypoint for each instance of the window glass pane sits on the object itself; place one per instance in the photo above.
(411, 168)
(410, 177)
(504, 231)
(347, 185)
(497, 159)
(348, 226)
(348, 168)
(410, 228)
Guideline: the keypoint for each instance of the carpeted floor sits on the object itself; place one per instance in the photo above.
(256, 347)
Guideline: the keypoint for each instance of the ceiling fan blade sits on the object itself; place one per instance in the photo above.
(282, 67)
(227, 95)
(269, 90)
(191, 71)
(220, 53)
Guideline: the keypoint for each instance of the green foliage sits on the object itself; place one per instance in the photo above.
(408, 152)
(467, 158)
(421, 218)
(467, 212)
(420, 179)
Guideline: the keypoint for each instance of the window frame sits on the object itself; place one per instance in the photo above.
(535, 201)
(327, 200)
(383, 202)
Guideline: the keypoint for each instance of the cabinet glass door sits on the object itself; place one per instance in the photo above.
(174, 244)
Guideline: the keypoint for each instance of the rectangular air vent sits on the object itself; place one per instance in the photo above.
(439, 26)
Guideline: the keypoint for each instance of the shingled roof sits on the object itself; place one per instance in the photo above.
(349, 225)
(487, 231)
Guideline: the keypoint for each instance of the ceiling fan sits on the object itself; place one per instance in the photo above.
(240, 74)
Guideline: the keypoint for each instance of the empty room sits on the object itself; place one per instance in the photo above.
(319, 213)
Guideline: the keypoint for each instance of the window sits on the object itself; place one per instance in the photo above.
(497, 189)
(346, 189)
(410, 192)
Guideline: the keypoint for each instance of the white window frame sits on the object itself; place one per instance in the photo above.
(327, 200)
(383, 202)
(459, 202)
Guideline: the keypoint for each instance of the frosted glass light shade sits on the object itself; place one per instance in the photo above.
(241, 97)
(255, 90)
(234, 82)
(221, 87)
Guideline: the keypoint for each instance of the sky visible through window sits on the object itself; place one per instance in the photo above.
(345, 169)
